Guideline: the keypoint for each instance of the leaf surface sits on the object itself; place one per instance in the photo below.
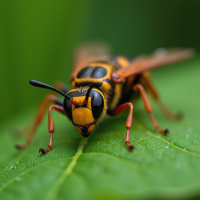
(100, 167)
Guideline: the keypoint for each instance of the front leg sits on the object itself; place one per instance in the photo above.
(120, 109)
(32, 127)
(38, 118)
(51, 127)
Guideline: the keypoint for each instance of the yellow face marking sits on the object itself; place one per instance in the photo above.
(80, 101)
(88, 131)
(82, 116)
(90, 128)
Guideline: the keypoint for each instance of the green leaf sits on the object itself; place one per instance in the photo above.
(101, 167)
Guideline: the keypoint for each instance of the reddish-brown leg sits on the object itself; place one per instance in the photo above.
(60, 86)
(38, 119)
(120, 109)
(51, 127)
(149, 85)
(148, 108)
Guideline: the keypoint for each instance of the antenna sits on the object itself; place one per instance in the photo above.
(97, 85)
(44, 85)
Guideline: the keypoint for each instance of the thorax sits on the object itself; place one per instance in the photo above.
(101, 71)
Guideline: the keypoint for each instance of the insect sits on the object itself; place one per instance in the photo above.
(104, 85)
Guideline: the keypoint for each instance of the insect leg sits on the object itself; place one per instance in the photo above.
(51, 127)
(149, 85)
(120, 109)
(60, 86)
(149, 108)
(38, 118)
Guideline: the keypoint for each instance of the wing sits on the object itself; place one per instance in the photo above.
(159, 58)
(88, 52)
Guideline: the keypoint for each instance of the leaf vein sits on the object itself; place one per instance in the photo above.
(148, 132)
(130, 162)
(28, 170)
(57, 185)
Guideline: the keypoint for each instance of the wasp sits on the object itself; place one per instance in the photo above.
(105, 85)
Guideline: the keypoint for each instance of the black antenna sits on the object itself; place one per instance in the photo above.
(44, 85)
(97, 85)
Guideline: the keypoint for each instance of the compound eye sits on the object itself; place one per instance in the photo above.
(68, 108)
(97, 104)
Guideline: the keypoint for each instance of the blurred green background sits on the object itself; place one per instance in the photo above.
(38, 38)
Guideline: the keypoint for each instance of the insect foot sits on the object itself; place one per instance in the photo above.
(129, 146)
(42, 150)
(166, 131)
